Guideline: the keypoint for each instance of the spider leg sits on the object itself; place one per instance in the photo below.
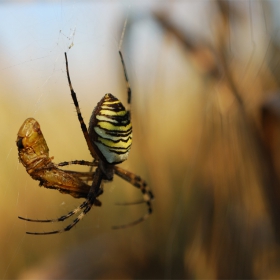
(79, 114)
(83, 176)
(60, 219)
(140, 184)
(80, 174)
(79, 162)
(64, 217)
(127, 83)
(88, 175)
(94, 192)
(90, 170)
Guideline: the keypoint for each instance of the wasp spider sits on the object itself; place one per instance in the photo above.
(109, 139)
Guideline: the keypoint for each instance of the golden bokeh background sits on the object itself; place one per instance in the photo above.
(205, 113)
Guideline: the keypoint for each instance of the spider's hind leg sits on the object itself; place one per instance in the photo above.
(146, 192)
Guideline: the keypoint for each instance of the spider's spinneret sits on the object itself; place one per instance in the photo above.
(110, 130)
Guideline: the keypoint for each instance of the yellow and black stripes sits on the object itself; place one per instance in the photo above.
(110, 130)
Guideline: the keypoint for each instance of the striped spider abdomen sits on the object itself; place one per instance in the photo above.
(110, 130)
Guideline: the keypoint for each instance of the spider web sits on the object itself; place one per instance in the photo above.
(33, 84)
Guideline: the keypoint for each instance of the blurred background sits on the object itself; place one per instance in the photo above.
(206, 130)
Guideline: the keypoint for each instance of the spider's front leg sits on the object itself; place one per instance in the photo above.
(84, 176)
(79, 162)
